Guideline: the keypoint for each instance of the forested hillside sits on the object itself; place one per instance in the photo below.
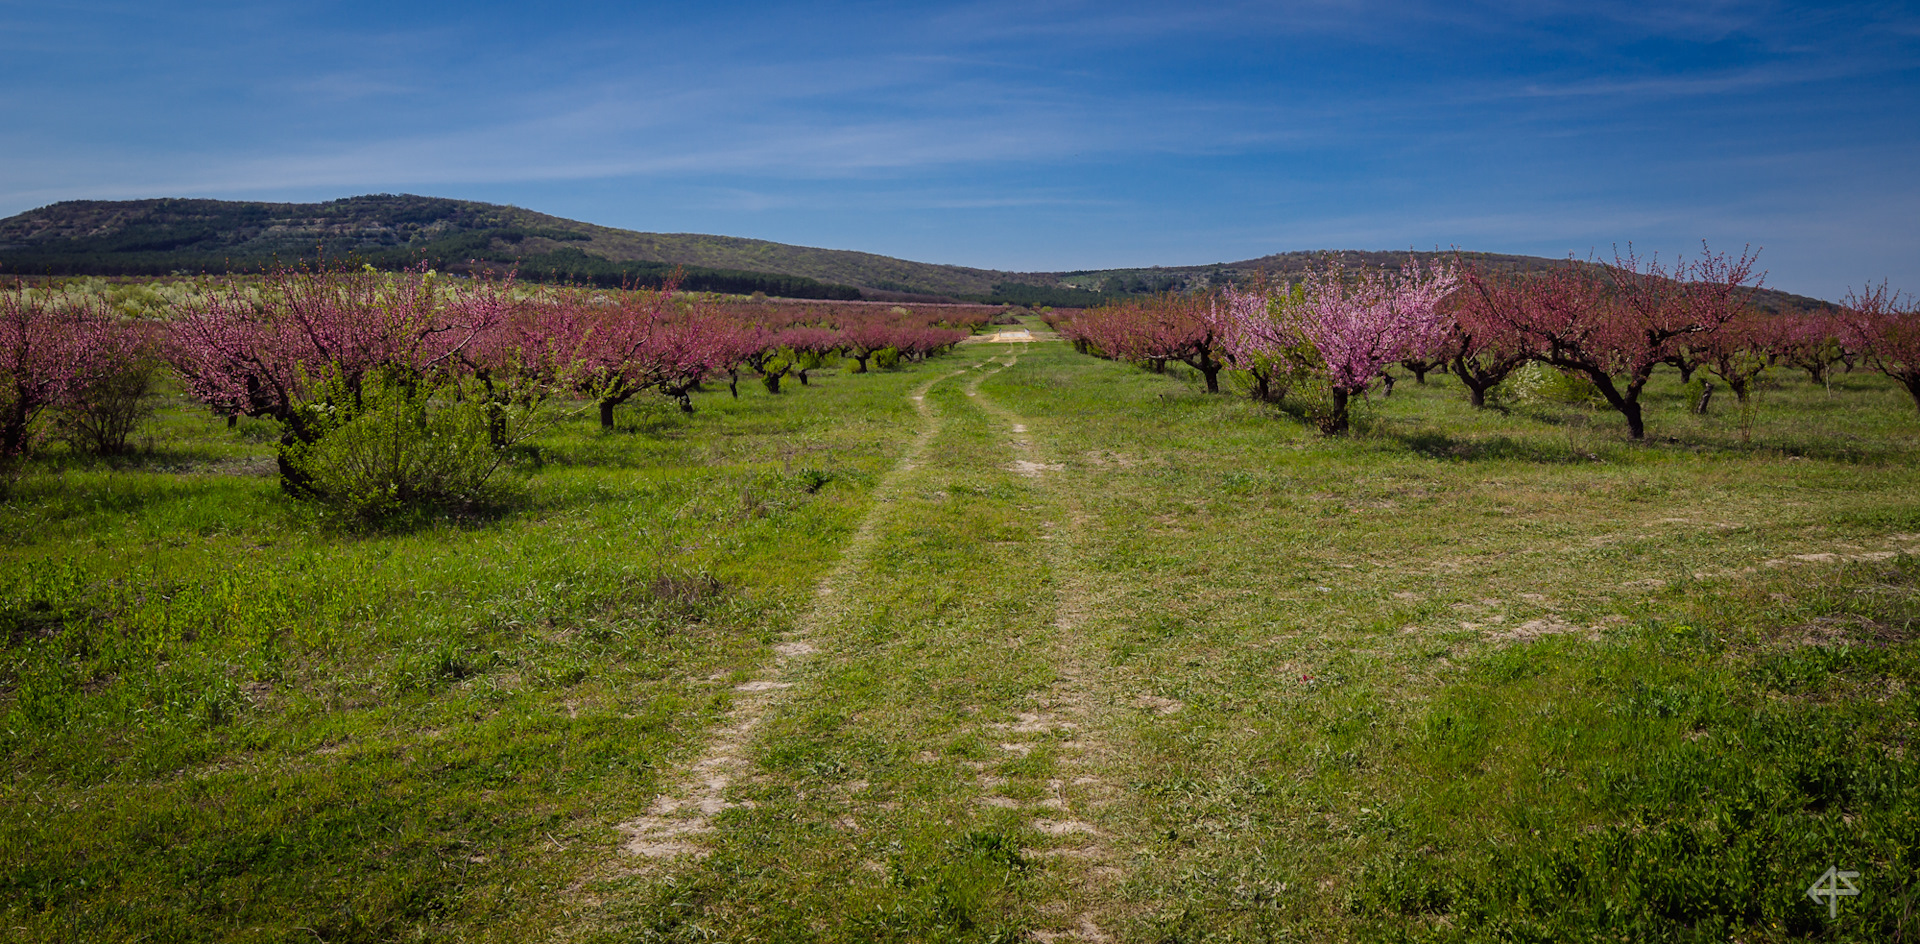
(168, 236)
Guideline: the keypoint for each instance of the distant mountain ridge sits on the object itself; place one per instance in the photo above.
(163, 236)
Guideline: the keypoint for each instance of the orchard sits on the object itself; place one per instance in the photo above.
(355, 605)
(1611, 325)
(395, 391)
(330, 355)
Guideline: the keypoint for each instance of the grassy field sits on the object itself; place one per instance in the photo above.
(1011, 645)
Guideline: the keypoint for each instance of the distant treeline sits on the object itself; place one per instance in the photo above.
(1036, 296)
(150, 253)
(573, 266)
(134, 253)
(1004, 293)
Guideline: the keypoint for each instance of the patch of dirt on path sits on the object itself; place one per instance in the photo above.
(1069, 713)
(684, 811)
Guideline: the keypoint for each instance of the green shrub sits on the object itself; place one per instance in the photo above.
(102, 417)
(405, 447)
(1542, 383)
(1691, 393)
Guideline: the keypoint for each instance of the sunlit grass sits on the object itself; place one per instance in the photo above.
(227, 717)
(1461, 675)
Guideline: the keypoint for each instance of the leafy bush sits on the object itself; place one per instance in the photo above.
(1540, 383)
(100, 417)
(405, 447)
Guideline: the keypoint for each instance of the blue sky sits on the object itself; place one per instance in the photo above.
(1018, 135)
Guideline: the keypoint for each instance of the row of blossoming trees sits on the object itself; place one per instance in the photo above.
(472, 367)
(1612, 324)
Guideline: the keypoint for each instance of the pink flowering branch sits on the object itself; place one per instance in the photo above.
(1615, 323)
(303, 346)
(1482, 348)
(1347, 327)
(1886, 326)
(54, 348)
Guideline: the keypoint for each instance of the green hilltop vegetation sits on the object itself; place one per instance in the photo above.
(170, 236)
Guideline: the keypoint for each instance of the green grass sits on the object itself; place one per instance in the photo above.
(227, 718)
(1194, 673)
(1474, 675)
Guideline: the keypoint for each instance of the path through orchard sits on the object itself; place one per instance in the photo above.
(1110, 659)
(929, 749)
(1013, 644)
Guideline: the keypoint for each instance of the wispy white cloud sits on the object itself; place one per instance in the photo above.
(1714, 83)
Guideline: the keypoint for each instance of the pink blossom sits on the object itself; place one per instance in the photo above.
(1886, 326)
(53, 347)
(1360, 325)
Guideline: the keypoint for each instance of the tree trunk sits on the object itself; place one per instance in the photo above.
(1262, 390)
(772, 382)
(1636, 425)
(292, 480)
(1336, 419)
(13, 437)
(1628, 404)
(606, 414)
(496, 424)
(1212, 374)
(1477, 385)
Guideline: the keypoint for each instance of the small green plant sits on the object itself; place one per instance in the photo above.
(812, 480)
(1692, 393)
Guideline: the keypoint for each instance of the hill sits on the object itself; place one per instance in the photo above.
(165, 236)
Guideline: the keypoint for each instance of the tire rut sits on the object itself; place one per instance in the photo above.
(1072, 705)
(680, 815)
